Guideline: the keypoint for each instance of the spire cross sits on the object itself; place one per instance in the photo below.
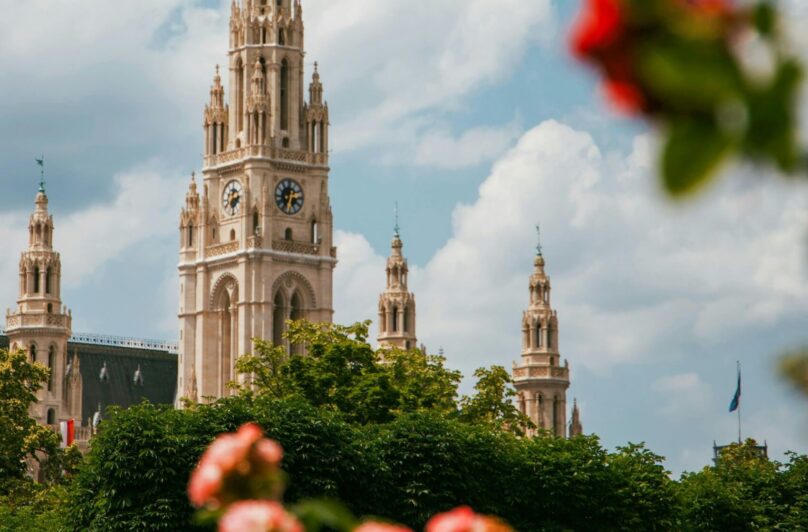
(41, 163)
(397, 229)
(538, 234)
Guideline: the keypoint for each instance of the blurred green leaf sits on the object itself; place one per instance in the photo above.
(688, 75)
(319, 515)
(765, 19)
(794, 367)
(693, 152)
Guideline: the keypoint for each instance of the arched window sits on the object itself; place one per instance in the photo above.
(277, 320)
(284, 95)
(255, 221)
(51, 366)
(48, 275)
(288, 233)
(556, 404)
(296, 313)
(314, 236)
(213, 234)
(32, 351)
(232, 234)
(550, 338)
(281, 37)
(395, 319)
(50, 308)
(227, 341)
(51, 417)
(36, 279)
(538, 335)
(263, 35)
(406, 325)
(540, 401)
(190, 236)
(239, 95)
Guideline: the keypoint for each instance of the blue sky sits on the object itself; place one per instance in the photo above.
(473, 117)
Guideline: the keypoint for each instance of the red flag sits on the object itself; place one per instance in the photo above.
(68, 432)
(71, 432)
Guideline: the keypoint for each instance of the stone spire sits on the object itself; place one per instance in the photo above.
(540, 379)
(576, 429)
(316, 112)
(396, 303)
(41, 325)
(216, 118)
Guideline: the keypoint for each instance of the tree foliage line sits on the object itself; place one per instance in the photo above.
(387, 434)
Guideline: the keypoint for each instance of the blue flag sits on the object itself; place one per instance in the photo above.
(736, 399)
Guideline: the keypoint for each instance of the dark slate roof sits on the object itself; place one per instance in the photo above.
(159, 370)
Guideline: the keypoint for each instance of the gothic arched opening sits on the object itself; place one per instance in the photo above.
(284, 95)
(296, 312)
(278, 319)
(51, 417)
(51, 366)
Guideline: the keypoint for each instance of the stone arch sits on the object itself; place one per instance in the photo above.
(226, 281)
(288, 281)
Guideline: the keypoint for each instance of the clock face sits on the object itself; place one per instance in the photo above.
(289, 196)
(231, 198)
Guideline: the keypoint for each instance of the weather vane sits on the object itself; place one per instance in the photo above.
(397, 228)
(538, 234)
(41, 162)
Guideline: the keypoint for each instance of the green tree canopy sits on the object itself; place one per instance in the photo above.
(21, 437)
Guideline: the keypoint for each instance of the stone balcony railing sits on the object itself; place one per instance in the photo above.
(547, 372)
(80, 434)
(256, 242)
(14, 321)
(221, 249)
(290, 246)
(269, 152)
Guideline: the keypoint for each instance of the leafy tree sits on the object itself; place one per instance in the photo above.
(740, 492)
(21, 437)
(341, 371)
(493, 402)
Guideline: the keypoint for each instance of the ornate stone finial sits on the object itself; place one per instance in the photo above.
(396, 228)
(41, 163)
(316, 65)
(538, 245)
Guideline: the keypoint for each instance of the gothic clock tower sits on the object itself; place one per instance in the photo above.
(256, 244)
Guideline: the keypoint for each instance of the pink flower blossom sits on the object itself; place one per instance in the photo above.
(258, 516)
(269, 451)
(243, 453)
(205, 484)
(463, 519)
(372, 526)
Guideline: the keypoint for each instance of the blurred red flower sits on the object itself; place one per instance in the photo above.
(463, 519)
(258, 516)
(242, 453)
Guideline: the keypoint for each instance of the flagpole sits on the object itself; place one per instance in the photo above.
(740, 441)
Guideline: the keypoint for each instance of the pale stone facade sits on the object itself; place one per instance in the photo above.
(41, 325)
(256, 244)
(397, 303)
(540, 378)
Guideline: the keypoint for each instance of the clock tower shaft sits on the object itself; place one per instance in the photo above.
(256, 245)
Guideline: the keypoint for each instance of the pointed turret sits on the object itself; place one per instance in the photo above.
(396, 303)
(576, 429)
(40, 324)
(541, 380)
(316, 112)
(216, 118)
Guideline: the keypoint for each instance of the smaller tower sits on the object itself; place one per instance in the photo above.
(541, 381)
(316, 113)
(41, 325)
(396, 304)
(216, 118)
(576, 429)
